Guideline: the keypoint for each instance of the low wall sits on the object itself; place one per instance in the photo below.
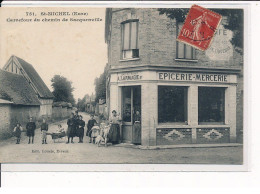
(59, 113)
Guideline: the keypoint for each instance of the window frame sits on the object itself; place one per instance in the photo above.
(130, 35)
(185, 122)
(224, 108)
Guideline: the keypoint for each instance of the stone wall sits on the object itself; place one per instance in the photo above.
(16, 113)
(46, 107)
(59, 113)
(11, 114)
(5, 110)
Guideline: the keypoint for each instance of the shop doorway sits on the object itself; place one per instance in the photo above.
(131, 114)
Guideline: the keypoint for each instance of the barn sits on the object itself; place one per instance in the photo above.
(23, 94)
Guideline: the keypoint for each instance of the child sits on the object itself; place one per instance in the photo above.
(105, 129)
(71, 128)
(95, 131)
(44, 129)
(60, 133)
(30, 127)
(17, 132)
(81, 124)
(60, 129)
(90, 124)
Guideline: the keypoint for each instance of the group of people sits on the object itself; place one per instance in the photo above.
(30, 131)
(76, 126)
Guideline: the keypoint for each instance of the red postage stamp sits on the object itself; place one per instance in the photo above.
(199, 27)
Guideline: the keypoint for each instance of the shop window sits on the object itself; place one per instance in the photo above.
(184, 51)
(172, 104)
(130, 39)
(211, 105)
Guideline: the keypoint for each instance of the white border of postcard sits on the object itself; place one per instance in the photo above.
(247, 6)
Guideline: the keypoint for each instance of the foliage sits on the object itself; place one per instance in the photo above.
(82, 102)
(100, 87)
(234, 22)
(62, 89)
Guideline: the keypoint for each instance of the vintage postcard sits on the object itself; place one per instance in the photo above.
(113, 85)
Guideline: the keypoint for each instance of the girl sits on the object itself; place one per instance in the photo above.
(17, 132)
(95, 131)
(91, 123)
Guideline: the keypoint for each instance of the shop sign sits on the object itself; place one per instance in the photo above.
(129, 76)
(192, 77)
(221, 48)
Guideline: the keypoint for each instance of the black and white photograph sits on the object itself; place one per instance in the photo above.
(113, 85)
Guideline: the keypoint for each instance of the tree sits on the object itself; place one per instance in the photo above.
(100, 87)
(62, 89)
(82, 102)
(234, 22)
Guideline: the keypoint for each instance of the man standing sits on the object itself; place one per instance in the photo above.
(30, 127)
(44, 129)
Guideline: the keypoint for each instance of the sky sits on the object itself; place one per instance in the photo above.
(73, 49)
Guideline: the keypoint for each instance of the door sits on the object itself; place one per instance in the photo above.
(131, 106)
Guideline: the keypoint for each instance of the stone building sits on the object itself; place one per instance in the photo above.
(184, 95)
(18, 102)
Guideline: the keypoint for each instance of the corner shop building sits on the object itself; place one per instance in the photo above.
(183, 98)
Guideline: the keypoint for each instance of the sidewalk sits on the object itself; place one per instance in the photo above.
(129, 145)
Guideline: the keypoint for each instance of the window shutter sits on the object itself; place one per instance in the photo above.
(126, 44)
(180, 50)
(134, 26)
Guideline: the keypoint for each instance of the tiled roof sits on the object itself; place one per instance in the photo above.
(16, 89)
(41, 87)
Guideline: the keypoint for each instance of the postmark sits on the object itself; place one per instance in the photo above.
(199, 27)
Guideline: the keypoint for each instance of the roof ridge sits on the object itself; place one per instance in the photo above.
(41, 88)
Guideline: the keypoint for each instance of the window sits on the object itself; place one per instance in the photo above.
(184, 51)
(130, 39)
(211, 105)
(172, 104)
